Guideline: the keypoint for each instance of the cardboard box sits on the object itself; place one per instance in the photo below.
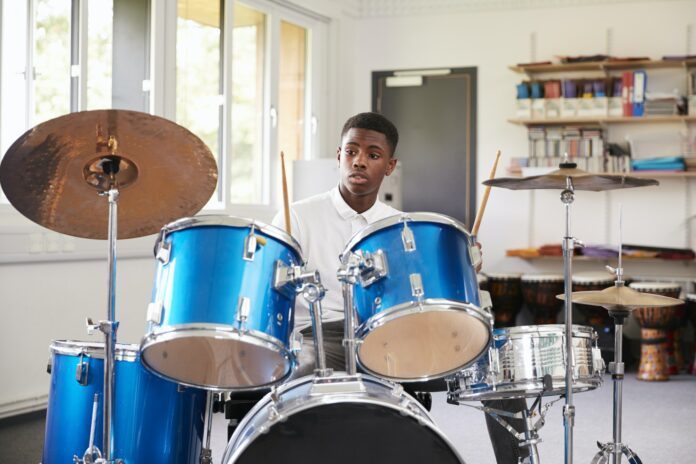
(523, 108)
(569, 107)
(553, 108)
(692, 105)
(615, 108)
(538, 108)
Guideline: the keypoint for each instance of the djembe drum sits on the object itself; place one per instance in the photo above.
(506, 296)
(690, 310)
(655, 323)
(539, 294)
(596, 316)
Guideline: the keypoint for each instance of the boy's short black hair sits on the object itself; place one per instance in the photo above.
(375, 122)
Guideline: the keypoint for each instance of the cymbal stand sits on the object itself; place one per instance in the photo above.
(206, 450)
(109, 327)
(569, 242)
(313, 292)
(615, 449)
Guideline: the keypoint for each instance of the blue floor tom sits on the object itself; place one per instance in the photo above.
(154, 420)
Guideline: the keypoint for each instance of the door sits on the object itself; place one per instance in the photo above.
(435, 113)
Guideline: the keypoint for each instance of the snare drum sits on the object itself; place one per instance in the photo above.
(655, 322)
(506, 296)
(154, 420)
(539, 292)
(216, 319)
(339, 419)
(421, 318)
(529, 361)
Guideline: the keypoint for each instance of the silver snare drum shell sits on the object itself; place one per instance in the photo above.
(339, 419)
(521, 357)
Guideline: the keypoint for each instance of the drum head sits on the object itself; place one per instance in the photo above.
(349, 433)
(424, 343)
(223, 362)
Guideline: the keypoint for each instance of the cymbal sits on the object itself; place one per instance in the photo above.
(621, 298)
(54, 173)
(581, 180)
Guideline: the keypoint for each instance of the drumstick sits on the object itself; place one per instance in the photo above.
(484, 200)
(286, 206)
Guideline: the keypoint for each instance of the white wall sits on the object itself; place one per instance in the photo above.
(492, 41)
(40, 302)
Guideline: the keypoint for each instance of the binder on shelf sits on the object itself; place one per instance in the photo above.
(627, 93)
(639, 85)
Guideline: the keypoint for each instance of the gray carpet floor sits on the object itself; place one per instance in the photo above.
(658, 425)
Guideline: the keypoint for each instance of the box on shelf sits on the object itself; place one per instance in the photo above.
(553, 108)
(523, 108)
(662, 144)
(538, 108)
(692, 105)
(615, 107)
(595, 106)
(569, 107)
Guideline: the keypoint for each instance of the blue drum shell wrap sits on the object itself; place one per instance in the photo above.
(154, 420)
(441, 258)
(199, 339)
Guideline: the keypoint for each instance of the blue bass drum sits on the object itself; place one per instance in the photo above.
(154, 421)
(420, 316)
(217, 320)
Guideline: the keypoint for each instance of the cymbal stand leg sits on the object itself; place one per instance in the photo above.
(616, 449)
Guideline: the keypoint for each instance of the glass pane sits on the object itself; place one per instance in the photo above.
(248, 56)
(198, 48)
(14, 87)
(51, 59)
(99, 53)
(293, 76)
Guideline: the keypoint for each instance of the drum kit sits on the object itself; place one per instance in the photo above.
(221, 317)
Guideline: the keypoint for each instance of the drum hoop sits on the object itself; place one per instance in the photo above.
(207, 220)
(427, 305)
(414, 410)
(542, 278)
(390, 221)
(580, 331)
(123, 352)
(691, 297)
(648, 286)
(216, 331)
(527, 389)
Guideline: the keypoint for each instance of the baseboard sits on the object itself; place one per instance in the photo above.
(19, 407)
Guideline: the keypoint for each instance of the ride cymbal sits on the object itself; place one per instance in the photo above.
(581, 180)
(54, 173)
(621, 298)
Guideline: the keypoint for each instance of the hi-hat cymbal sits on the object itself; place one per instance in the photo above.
(621, 298)
(54, 173)
(581, 180)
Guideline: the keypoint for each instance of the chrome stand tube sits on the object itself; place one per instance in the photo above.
(349, 329)
(313, 292)
(111, 326)
(567, 197)
(206, 451)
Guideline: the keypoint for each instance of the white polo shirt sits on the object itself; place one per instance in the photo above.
(323, 225)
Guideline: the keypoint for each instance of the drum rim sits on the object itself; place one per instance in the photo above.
(504, 275)
(414, 410)
(690, 297)
(530, 389)
(542, 278)
(654, 285)
(216, 331)
(123, 352)
(232, 221)
(576, 330)
(426, 305)
(419, 216)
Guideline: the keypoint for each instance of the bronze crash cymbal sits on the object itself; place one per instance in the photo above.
(54, 173)
(581, 180)
(621, 298)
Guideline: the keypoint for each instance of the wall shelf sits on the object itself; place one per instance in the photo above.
(602, 66)
(613, 258)
(604, 120)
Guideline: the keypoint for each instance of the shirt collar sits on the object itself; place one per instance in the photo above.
(346, 212)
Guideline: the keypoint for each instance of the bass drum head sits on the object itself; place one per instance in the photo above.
(375, 422)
